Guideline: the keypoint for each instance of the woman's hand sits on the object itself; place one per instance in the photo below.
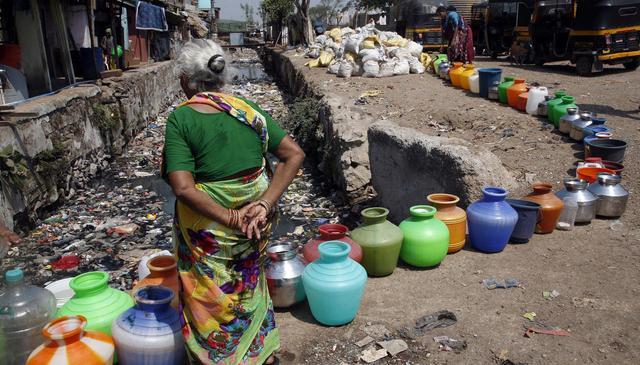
(255, 220)
(9, 235)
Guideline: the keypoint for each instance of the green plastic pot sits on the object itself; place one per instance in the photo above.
(502, 89)
(96, 301)
(426, 238)
(553, 102)
(560, 109)
(380, 240)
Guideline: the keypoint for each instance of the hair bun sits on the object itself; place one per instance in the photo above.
(216, 63)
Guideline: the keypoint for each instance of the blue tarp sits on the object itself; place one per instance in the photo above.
(151, 17)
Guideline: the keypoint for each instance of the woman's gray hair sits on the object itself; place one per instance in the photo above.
(203, 62)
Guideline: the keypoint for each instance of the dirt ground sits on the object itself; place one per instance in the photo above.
(593, 267)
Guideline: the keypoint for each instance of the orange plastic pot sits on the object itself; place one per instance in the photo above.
(550, 206)
(591, 173)
(469, 70)
(454, 217)
(518, 87)
(455, 73)
(163, 271)
(522, 102)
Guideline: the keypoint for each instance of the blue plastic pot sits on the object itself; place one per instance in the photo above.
(487, 77)
(491, 221)
(598, 121)
(334, 284)
(590, 131)
(528, 214)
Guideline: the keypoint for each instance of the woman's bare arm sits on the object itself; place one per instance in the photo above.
(291, 157)
(184, 188)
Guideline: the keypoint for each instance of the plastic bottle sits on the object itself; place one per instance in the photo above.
(24, 311)
(568, 216)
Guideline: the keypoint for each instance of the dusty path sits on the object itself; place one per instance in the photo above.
(592, 267)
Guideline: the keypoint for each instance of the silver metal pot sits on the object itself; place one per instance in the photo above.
(578, 126)
(543, 106)
(612, 197)
(586, 200)
(284, 275)
(567, 120)
(493, 91)
(443, 69)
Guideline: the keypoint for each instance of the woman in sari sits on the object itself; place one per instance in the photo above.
(214, 160)
(457, 33)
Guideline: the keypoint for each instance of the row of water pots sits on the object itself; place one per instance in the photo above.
(332, 270)
(560, 109)
(98, 324)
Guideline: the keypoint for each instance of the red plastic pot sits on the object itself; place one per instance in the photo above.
(522, 102)
(331, 232)
(616, 167)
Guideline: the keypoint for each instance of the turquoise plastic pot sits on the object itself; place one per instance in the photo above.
(334, 284)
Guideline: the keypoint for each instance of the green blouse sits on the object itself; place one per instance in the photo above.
(213, 146)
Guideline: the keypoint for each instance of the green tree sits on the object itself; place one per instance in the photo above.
(276, 11)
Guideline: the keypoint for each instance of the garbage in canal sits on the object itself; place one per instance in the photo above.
(509, 283)
(450, 344)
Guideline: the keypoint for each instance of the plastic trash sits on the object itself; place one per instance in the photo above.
(568, 215)
(24, 311)
(61, 290)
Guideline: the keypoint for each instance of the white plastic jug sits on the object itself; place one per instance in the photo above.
(474, 83)
(536, 96)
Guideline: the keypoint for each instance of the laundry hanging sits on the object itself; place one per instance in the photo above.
(151, 17)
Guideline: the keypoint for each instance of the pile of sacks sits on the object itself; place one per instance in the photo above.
(366, 51)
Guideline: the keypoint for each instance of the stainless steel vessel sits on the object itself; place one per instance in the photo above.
(586, 200)
(443, 69)
(543, 107)
(578, 126)
(567, 120)
(493, 91)
(612, 197)
(284, 275)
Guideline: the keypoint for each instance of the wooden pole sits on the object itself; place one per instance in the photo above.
(89, 4)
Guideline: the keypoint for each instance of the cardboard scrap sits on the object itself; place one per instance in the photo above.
(371, 355)
(394, 347)
(365, 341)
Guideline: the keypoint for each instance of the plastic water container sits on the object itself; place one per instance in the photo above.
(474, 83)
(24, 311)
(143, 270)
(536, 96)
(568, 215)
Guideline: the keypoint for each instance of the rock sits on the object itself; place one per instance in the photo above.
(406, 165)
(365, 341)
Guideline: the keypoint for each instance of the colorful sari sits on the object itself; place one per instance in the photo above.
(461, 43)
(228, 314)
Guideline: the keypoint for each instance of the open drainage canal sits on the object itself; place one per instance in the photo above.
(110, 223)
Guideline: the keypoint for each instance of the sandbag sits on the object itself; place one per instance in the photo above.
(401, 67)
(350, 56)
(370, 42)
(399, 42)
(387, 68)
(321, 39)
(336, 35)
(334, 67)
(366, 55)
(346, 31)
(400, 53)
(313, 51)
(370, 69)
(352, 43)
(414, 48)
(346, 69)
(416, 67)
(325, 58)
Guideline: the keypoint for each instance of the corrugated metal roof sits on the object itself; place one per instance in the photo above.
(464, 6)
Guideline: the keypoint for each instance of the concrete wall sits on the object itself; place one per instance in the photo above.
(76, 131)
(343, 148)
(406, 166)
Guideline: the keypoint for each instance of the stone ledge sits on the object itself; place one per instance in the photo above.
(407, 165)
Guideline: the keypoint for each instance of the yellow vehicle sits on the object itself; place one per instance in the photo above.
(507, 21)
(589, 33)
